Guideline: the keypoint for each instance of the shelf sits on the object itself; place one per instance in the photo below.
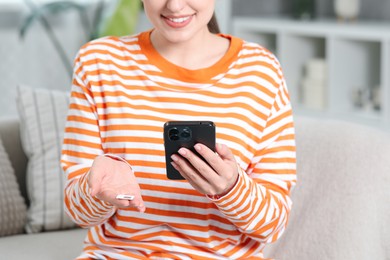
(297, 51)
(265, 39)
(358, 71)
(323, 27)
(355, 58)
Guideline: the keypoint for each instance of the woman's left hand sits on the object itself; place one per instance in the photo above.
(215, 180)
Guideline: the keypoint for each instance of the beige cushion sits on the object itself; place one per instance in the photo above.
(12, 205)
(42, 115)
(10, 133)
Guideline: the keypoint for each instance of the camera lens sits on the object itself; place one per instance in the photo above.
(186, 133)
(173, 134)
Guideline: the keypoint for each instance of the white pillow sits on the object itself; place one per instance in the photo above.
(42, 114)
(12, 205)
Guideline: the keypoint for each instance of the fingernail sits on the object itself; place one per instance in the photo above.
(182, 151)
(174, 158)
(198, 147)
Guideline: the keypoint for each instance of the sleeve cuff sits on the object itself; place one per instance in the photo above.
(232, 204)
(118, 158)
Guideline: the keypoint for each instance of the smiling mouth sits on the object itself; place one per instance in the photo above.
(179, 20)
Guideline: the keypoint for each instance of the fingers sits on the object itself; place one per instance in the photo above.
(136, 202)
(214, 177)
(224, 152)
(187, 170)
(108, 178)
(198, 164)
(191, 175)
(111, 197)
(215, 160)
(196, 171)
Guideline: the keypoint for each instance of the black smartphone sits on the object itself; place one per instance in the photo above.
(186, 134)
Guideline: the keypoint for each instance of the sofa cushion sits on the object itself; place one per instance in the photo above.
(42, 115)
(12, 205)
(10, 133)
(58, 245)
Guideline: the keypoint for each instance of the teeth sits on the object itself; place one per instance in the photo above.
(179, 20)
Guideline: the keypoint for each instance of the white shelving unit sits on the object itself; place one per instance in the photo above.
(357, 57)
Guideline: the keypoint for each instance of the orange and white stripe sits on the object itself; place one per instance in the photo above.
(123, 92)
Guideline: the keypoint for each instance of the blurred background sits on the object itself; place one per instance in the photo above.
(335, 54)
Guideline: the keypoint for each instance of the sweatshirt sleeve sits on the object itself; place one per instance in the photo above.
(259, 203)
(82, 143)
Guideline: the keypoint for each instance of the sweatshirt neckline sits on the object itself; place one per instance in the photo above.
(192, 76)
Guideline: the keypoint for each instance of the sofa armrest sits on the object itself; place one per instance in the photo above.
(341, 203)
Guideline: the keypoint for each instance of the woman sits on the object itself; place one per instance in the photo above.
(125, 89)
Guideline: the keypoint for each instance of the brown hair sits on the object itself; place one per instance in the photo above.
(213, 25)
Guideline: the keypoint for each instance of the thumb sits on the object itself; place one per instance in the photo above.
(224, 152)
(94, 182)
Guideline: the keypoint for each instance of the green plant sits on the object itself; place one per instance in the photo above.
(122, 21)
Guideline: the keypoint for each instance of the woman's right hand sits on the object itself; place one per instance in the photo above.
(109, 177)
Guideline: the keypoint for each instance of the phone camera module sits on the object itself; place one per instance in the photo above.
(186, 133)
(173, 134)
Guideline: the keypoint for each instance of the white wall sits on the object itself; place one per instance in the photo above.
(223, 9)
(33, 61)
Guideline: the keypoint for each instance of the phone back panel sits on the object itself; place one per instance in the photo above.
(186, 134)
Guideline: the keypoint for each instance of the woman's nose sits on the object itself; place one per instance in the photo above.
(175, 5)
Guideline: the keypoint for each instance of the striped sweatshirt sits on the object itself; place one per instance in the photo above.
(123, 92)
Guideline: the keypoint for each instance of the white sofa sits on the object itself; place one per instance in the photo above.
(341, 203)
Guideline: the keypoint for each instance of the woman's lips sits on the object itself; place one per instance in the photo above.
(178, 22)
